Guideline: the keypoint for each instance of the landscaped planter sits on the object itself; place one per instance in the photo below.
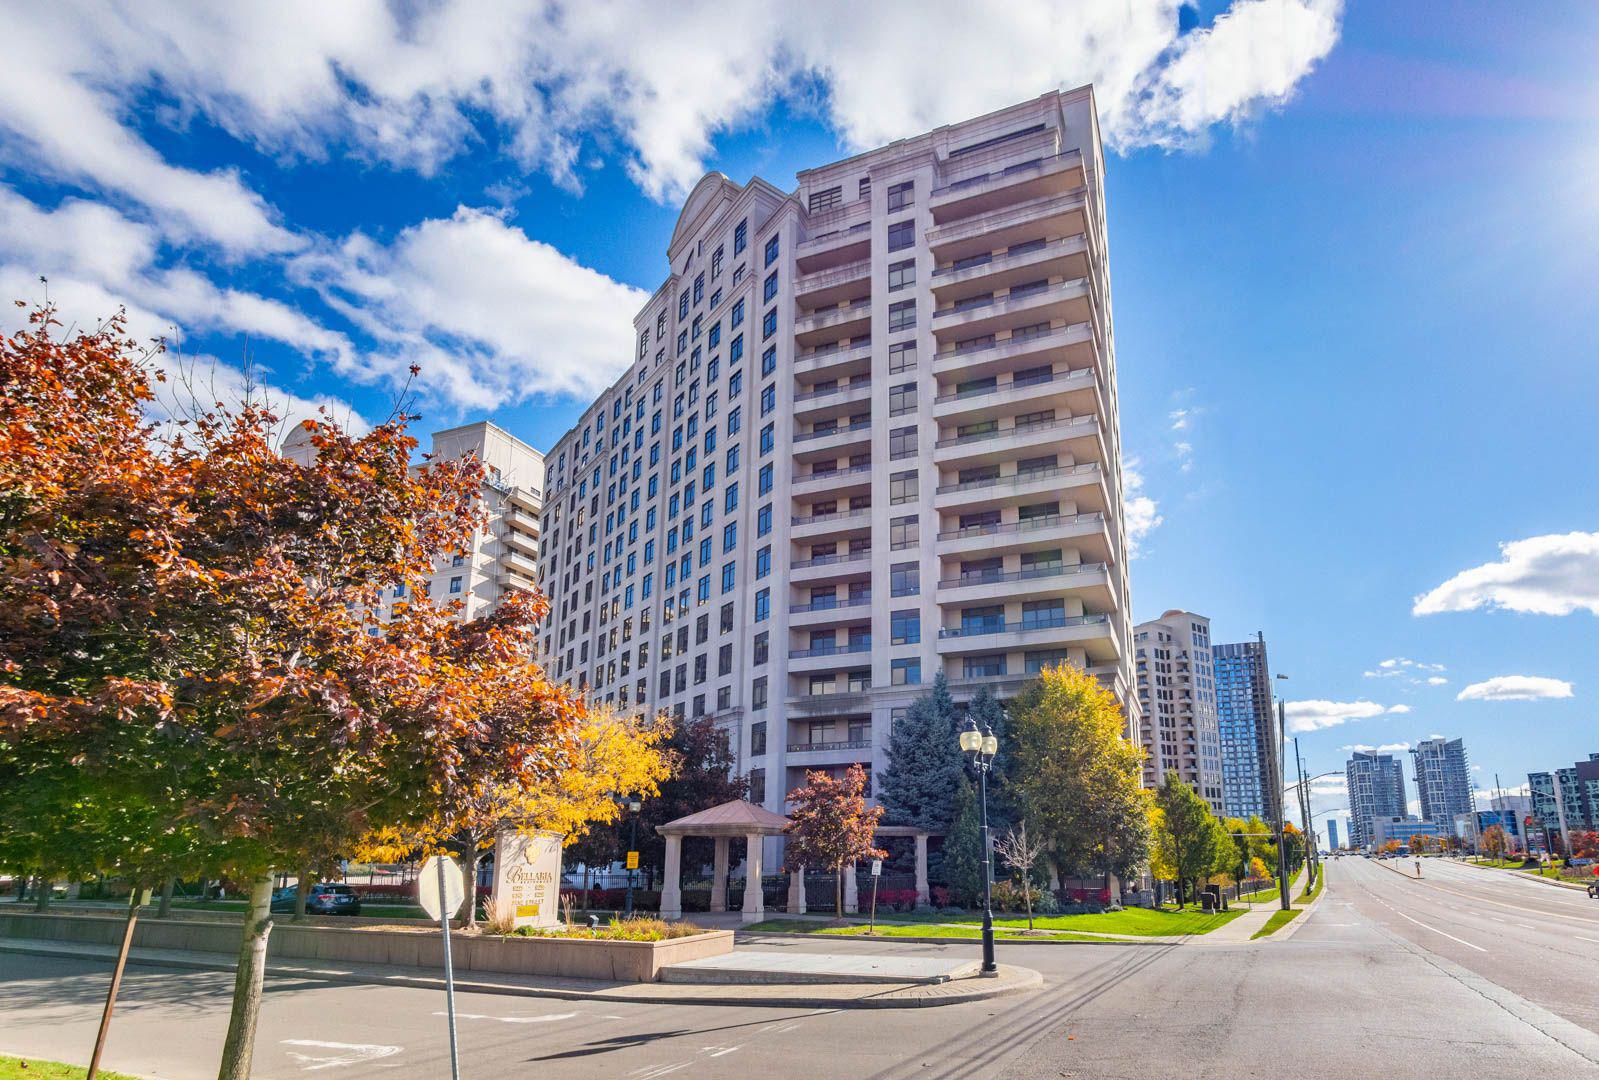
(576, 958)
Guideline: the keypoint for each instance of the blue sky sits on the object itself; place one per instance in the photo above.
(1353, 250)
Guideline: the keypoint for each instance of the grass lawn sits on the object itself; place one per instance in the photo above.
(1264, 896)
(31, 1069)
(1310, 891)
(912, 930)
(1133, 922)
(1275, 923)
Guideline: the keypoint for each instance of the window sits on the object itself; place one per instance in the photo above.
(762, 648)
(1035, 661)
(769, 323)
(771, 251)
(902, 316)
(455, 584)
(730, 499)
(901, 357)
(865, 188)
(736, 318)
(769, 360)
(983, 667)
(901, 235)
(763, 562)
(904, 579)
(757, 786)
(826, 199)
(902, 487)
(901, 275)
(905, 627)
(902, 399)
(901, 195)
(682, 305)
(763, 521)
(716, 267)
(729, 536)
(767, 439)
(741, 235)
(768, 403)
(903, 532)
(906, 672)
(729, 578)
(769, 289)
(699, 287)
(763, 605)
(765, 479)
(902, 443)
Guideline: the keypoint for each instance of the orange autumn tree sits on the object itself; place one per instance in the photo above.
(830, 825)
(192, 623)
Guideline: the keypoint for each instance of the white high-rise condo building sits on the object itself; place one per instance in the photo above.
(504, 554)
(1180, 730)
(1376, 785)
(869, 433)
(1443, 779)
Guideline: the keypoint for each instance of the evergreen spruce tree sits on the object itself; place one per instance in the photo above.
(924, 763)
(963, 848)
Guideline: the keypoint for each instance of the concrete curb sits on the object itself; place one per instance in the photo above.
(1011, 980)
(1304, 913)
(1530, 877)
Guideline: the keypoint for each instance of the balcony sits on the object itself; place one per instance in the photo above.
(1075, 391)
(1090, 581)
(812, 405)
(529, 499)
(1051, 215)
(823, 612)
(520, 542)
(1075, 435)
(1063, 301)
(1089, 533)
(1093, 632)
(838, 523)
(840, 704)
(825, 568)
(1084, 483)
(513, 560)
(1060, 346)
(827, 657)
(828, 747)
(837, 360)
(834, 247)
(854, 480)
(832, 442)
(831, 324)
(1063, 257)
(832, 285)
(988, 191)
(510, 579)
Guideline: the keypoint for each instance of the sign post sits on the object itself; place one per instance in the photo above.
(877, 873)
(441, 891)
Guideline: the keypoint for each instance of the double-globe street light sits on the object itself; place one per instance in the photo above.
(982, 746)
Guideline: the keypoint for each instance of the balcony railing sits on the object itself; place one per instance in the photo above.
(852, 744)
(834, 474)
(837, 347)
(996, 577)
(822, 433)
(1076, 375)
(837, 515)
(812, 241)
(832, 650)
(844, 388)
(1016, 479)
(838, 275)
(1019, 429)
(989, 258)
(985, 628)
(989, 343)
(977, 302)
(1021, 168)
(1003, 528)
(832, 604)
(829, 560)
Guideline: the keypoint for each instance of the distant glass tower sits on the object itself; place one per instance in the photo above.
(1251, 776)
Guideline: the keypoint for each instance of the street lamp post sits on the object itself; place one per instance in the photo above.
(982, 746)
(1282, 839)
(633, 806)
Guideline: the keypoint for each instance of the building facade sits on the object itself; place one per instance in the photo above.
(1443, 779)
(1332, 834)
(1402, 827)
(1376, 784)
(869, 434)
(1177, 700)
(504, 554)
(1250, 736)
(1566, 799)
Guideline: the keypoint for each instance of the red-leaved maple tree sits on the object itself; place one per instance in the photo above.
(830, 825)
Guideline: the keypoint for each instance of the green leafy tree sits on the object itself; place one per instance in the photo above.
(1188, 836)
(963, 847)
(1075, 776)
(924, 763)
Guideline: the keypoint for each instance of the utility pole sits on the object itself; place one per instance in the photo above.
(1304, 813)
(1282, 840)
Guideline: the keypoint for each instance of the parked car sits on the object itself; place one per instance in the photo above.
(324, 899)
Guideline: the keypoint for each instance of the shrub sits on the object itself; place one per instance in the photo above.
(634, 929)
(499, 915)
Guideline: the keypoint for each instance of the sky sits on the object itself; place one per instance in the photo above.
(1353, 255)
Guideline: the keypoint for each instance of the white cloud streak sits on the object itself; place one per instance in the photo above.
(1319, 714)
(1140, 512)
(1555, 574)
(1515, 688)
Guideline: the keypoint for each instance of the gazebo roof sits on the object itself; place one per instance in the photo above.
(737, 818)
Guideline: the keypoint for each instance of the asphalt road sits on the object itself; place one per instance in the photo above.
(1349, 994)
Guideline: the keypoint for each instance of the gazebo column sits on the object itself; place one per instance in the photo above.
(796, 890)
(754, 908)
(719, 876)
(852, 896)
(672, 884)
(924, 898)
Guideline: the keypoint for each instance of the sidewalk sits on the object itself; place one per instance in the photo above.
(1243, 929)
(1011, 980)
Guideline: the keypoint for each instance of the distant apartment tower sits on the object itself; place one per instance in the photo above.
(1376, 785)
(1566, 799)
(1443, 779)
(1332, 834)
(869, 433)
(1251, 775)
(1177, 699)
(504, 553)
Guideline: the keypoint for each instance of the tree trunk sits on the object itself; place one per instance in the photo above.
(302, 893)
(46, 889)
(240, 1044)
(588, 879)
(1027, 894)
(116, 983)
(167, 888)
(838, 891)
(469, 869)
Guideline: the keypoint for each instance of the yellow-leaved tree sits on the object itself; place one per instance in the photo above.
(604, 756)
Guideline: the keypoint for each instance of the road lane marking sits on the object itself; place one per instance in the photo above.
(1579, 937)
(348, 1053)
(545, 1019)
(1435, 930)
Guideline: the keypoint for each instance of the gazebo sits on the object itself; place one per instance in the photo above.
(721, 823)
(754, 823)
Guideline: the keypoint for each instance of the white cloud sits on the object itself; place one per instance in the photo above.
(412, 85)
(1180, 420)
(1140, 512)
(1317, 714)
(490, 315)
(1436, 680)
(1383, 748)
(1515, 688)
(1408, 671)
(1541, 575)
